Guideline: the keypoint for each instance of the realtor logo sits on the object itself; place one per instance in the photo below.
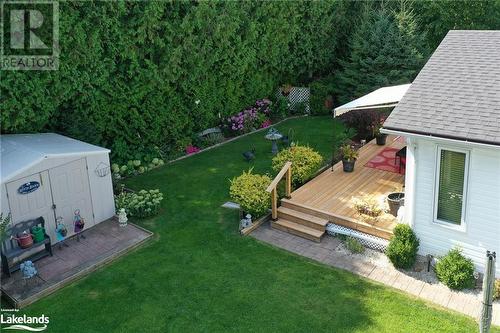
(30, 35)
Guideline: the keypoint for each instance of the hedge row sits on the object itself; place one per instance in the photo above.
(131, 73)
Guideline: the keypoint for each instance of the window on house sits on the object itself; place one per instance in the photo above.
(451, 186)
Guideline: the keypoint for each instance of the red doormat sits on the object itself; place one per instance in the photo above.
(385, 160)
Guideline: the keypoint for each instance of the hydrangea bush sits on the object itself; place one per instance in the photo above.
(142, 204)
(305, 163)
(135, 167)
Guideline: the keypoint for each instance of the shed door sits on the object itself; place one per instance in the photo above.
(34, 204)
(71, 191)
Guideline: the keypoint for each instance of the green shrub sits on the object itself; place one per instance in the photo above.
(403, 247)
(321, 90)
(455, 270)
(305, 163)
(249, 191)
(354, 245)
(142, 204)
(496, 292)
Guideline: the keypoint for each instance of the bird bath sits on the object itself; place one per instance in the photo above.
(273, 135)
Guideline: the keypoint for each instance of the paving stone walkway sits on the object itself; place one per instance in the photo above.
(323, 252)
(103, 243)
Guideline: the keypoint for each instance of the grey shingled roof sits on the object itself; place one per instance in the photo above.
(457, 93)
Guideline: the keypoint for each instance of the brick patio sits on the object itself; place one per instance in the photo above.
(323, 252)
(103, 243)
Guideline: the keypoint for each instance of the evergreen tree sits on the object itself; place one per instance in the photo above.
(386, 49)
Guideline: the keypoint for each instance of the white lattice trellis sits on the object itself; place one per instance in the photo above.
(297, 98)
(367, 240)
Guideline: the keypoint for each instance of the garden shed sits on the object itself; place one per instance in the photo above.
(52, 176)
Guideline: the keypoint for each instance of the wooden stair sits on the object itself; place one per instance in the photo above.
(300, 224)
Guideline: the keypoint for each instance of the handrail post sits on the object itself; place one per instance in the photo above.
(274, 204)
(288, 185)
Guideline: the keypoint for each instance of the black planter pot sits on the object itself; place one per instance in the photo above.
(348, 166)
(381, 139)
(395, 200)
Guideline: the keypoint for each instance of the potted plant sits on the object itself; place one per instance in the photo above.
(349, 156)
(395, 200)
(376, 126)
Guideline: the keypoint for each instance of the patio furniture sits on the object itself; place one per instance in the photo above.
(401, 154)
(11, 249)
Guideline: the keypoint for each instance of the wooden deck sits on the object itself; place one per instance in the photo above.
(330, 194)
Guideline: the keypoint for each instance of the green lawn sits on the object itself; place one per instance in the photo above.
(198, 274)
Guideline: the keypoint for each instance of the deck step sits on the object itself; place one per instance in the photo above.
(298, 229)
(305, 219)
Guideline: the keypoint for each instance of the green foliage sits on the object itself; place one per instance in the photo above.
(386, 49)
(249, 191)
(132, 72)
(354, 245)
(496, 292)
(438, 17)
(305, 163)
(321, 94)
(144, 203)
(135, 167)
(348, 153)
(403, 247)
(4, 223)
(455, 270)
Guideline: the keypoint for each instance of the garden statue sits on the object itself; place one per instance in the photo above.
(28, 269)
(122, 217)
(246, 222)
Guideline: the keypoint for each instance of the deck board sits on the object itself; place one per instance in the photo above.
(333, 191)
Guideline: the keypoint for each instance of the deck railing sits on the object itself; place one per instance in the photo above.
(272, 188)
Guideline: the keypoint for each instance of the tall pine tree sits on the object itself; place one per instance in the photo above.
(386, 49)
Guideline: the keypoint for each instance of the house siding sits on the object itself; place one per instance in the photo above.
(482, 212)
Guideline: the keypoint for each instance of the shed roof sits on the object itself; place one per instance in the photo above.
(19, 152)
(457, 93)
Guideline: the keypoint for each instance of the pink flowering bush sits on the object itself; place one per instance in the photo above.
(192, 149)
(266, 123)
(251, 118)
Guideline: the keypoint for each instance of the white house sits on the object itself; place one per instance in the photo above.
(450, 117)
(52, 176)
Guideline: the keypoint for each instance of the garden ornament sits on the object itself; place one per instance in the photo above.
(78, 222)
(28, 269)
(246, 222)
(122, 217)
(249, 155)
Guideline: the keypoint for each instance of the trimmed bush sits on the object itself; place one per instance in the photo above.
(305, 162)
(249, 191)
(455, 270)
(403, 247)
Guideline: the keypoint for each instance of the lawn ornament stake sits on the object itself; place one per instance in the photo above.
(61, 232)
(78, 224)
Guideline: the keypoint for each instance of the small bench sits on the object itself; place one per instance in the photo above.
(11, 249)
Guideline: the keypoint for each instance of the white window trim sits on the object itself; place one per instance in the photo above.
(449, 225)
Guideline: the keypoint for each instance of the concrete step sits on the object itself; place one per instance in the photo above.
(305, 219)
(298, 229)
